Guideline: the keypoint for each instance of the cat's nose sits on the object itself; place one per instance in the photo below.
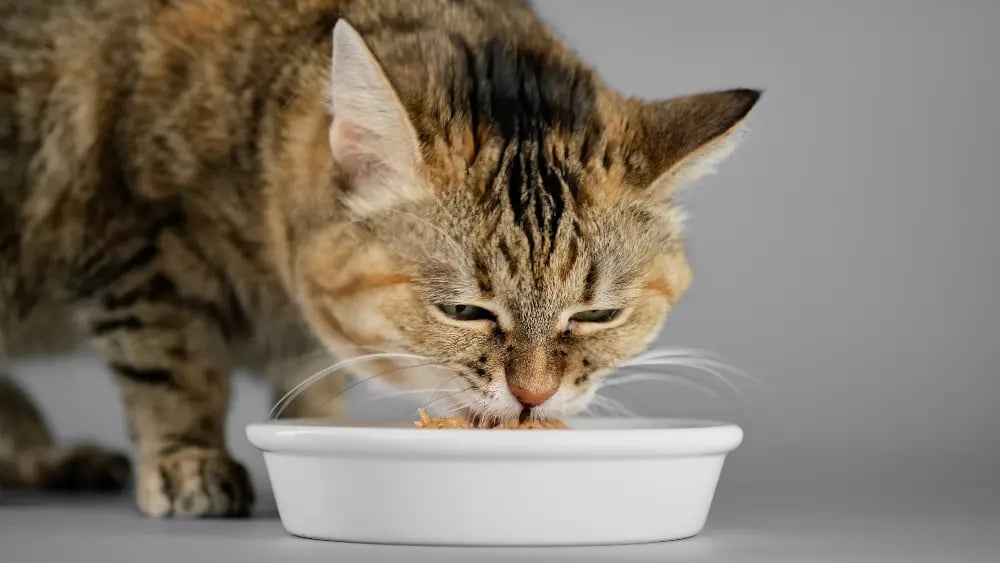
(531, 398)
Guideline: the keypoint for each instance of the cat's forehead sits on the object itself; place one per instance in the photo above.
(533, 123)
(529, 146)
(501, 101)
(520, 92)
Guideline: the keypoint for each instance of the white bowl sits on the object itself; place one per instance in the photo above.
(604, 481)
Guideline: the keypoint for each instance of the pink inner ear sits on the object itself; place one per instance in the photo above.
(355, 150)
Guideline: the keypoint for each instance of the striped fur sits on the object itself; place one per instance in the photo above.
(175, 190)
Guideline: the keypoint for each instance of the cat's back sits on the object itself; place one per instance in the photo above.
(189, 82)
(163, 97)
(48, 50)
(115, 112)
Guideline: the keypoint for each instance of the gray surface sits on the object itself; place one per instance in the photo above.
(747, 526)
(846, 255)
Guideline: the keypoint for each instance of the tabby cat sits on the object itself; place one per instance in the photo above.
(197, 185)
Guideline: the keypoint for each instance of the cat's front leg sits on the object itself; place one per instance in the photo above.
(166, 341)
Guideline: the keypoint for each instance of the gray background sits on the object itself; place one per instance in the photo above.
(846, 255)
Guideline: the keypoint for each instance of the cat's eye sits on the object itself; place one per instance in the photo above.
(467, 313)
(596, 316)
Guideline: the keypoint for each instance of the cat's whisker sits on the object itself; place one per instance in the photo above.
(592, 407)
(684, 363)
(290, 396)
(441, 398)
(691, 355)
(391, 371)
(356, 350)
(395, 394)
(685, 359)
(439, 388)
(669, 351)
(597, 403)
(613, 406)
(672, 378)
(458, 407)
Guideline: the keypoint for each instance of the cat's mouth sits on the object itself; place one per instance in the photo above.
(467, 419)
(486, 407)
(524, 416)
(481, 420)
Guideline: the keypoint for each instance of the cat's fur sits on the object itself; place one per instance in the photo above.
(188, 186)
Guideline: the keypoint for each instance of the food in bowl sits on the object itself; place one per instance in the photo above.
(442, 422)
(426, 421)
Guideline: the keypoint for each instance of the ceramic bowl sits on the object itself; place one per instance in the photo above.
(603, 481)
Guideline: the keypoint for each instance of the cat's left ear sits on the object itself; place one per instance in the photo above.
(372, 138)
(683, 139)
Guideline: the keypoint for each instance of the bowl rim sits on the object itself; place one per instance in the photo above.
(619, 438)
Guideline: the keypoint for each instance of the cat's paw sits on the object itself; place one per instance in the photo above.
(87, 468)
(194, 482)
(65, 468)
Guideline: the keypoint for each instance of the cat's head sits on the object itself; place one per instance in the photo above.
(511, 220)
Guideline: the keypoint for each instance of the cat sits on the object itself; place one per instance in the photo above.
(196, 185)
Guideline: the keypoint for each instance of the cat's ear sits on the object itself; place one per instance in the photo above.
(371, 136)
(683, 139)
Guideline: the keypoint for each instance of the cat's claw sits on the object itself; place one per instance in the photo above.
(194, 482)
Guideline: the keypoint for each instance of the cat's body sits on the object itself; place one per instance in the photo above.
(130, 121)
(173, 189)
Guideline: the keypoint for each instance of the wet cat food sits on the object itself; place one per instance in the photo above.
(459, 422)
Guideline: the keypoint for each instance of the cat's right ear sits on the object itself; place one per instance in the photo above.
(371, 136)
